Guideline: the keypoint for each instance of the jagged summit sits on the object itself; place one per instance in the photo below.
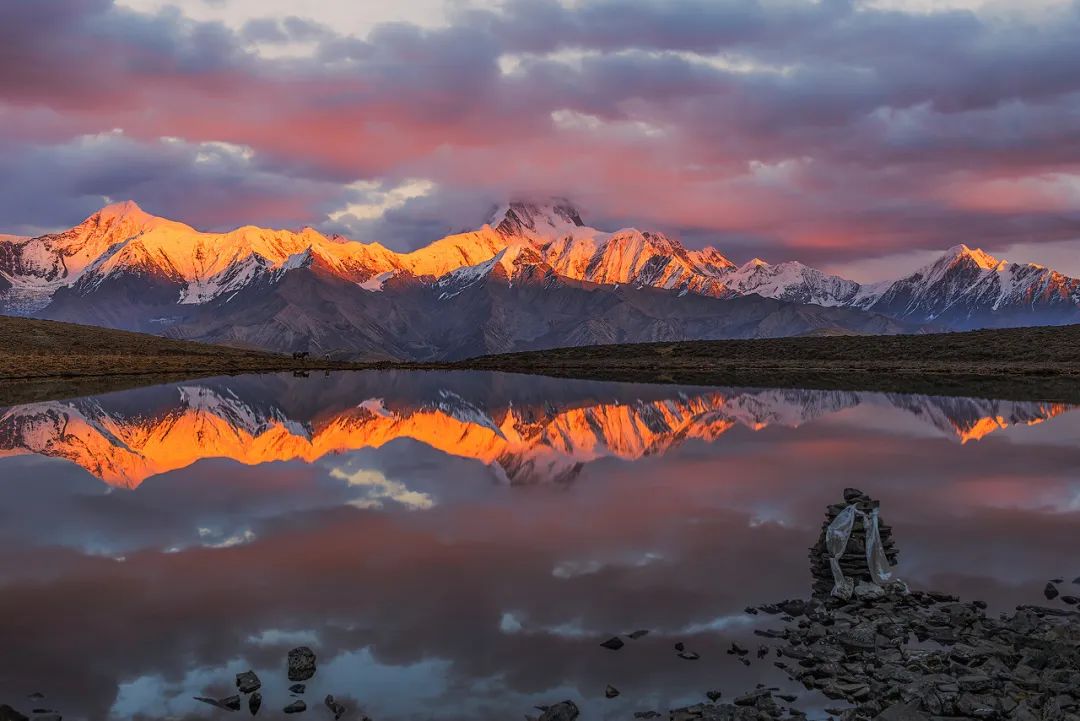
(523, 218)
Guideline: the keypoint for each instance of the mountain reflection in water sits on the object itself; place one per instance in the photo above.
(456, 545)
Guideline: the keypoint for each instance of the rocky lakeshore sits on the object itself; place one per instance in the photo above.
(863, 645)
(883, 652)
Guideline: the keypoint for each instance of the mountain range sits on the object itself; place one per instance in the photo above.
(541, 432)
(535, 276)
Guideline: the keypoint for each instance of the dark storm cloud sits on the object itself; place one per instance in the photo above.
(816, 130)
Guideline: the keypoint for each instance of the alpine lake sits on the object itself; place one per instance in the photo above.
(464, 545)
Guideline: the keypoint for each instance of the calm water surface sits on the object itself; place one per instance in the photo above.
(455, 546)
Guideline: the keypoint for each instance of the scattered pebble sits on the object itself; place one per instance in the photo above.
(614, 643)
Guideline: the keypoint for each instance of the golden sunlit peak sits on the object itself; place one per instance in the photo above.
(122, 209)
(979, 256)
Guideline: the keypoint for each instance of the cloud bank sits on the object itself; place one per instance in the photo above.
(831, 131)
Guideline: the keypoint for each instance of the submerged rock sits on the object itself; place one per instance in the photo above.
(635, 635)
(255, 703)
(562, 711)
(336, 708)
(297, 688)
(611, 691)
(9, 714)
(614, 643)
(1050, 592)
(230, 703)
(297, 706)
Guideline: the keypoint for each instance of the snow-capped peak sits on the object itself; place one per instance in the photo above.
(790, 281)
(977, 255)
(124, 209)
(524, 219)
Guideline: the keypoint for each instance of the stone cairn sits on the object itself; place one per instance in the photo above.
(853, 562)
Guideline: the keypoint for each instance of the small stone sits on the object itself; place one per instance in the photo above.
(680, 646)
(647, 714)
(255, 703)
(335, 707)
(688, 656)
(762, 651)
(614, 643)
(640, 633)
(301, 664)
(1071, 600)
(297, 706)
(752, 698)
(297, 688)
(737, 650)
(562, 711)
(713, 696)
(1050, 592)
(610, 691)
(247, 682)
(901, 712)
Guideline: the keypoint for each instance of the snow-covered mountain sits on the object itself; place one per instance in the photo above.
(967, 288)
(123, 267)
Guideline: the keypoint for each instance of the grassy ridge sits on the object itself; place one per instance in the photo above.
(46, 359)
(42, 359)
(1024, 363)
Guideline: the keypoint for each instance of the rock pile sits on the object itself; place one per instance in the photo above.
(853, 562)
(900, 655)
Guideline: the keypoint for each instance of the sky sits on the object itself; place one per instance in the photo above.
(860, 136)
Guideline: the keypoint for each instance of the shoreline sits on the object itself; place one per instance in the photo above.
(1051, 385)
(44, 360)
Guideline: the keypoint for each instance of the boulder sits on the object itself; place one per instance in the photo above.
(301, 664)
(247, 682)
